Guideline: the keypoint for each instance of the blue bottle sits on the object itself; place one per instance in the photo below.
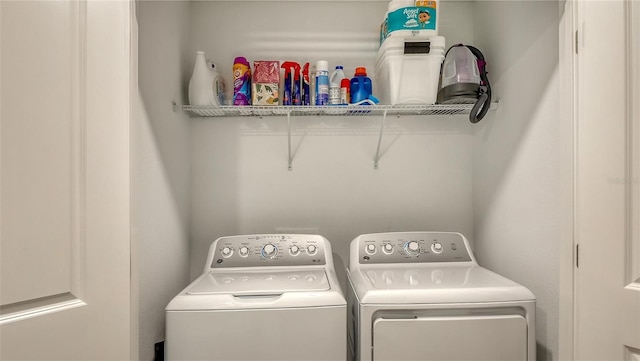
(361, 87)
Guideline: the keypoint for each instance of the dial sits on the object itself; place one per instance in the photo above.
(387, 248)
(226, 252)
(244, 251)
(294, 250)
(412, 248)
(312, 249)
(269, 250)
(371, 248)
(436, 247)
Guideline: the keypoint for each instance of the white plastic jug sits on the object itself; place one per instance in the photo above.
(206, 86)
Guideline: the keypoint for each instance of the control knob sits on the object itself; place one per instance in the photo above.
(244, 251)
(387, 248)
(371, 248)
(312, 249)
(226, 252)
(294, 250)
(269, 251)
(436, 247)
(412, 248)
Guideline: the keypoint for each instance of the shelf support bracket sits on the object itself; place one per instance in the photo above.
(377, 158)
(289, 141)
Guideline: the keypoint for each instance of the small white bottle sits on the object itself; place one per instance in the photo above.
(334, 85)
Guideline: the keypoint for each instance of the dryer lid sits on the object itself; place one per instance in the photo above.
(248, 283)
(433, 284)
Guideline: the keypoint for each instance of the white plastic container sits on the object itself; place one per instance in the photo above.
(334, 85)
(395, 46)
(206, 86)
(409, 78)
(219, 87)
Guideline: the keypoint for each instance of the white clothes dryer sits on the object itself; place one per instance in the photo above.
(261, 297)
(422, 296)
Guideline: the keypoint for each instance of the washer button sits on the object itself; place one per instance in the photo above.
(387, 248)
(294, 250)
(244, 251)
(436, 247)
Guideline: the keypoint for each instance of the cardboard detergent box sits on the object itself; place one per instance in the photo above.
(266, 81)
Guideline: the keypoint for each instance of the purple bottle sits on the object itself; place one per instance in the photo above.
(241, 81)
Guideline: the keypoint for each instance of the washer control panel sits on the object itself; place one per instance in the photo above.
(268, 250)
(418, 247)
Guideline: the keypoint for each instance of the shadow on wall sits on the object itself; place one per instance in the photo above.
(520, 78)
(163, 75)
(160, 145)
(517, 154)
(543, 353)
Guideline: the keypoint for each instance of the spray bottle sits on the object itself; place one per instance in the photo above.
(305, 88)
(291, 83)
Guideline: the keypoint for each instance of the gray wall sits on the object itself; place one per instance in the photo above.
(160, 166)
(517, 183)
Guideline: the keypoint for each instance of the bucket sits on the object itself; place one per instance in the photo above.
(409, 78)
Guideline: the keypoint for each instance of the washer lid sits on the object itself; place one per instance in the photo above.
(433, 284)
(246, 283)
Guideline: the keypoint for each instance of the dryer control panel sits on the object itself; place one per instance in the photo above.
(269, 250)
(411, 247)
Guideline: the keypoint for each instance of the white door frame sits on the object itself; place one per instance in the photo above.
(606, 204)
(568, 103)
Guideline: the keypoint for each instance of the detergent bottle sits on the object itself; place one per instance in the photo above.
(361, 87)
(206, 86)
(241, 81)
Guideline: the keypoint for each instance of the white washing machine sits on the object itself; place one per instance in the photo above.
(422, 296)
(261, 297)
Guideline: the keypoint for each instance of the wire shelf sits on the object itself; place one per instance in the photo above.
(291, 112)
(335, 110)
